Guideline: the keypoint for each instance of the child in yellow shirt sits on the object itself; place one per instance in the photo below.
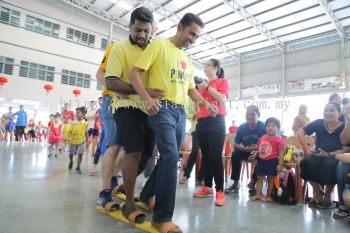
(78, 135)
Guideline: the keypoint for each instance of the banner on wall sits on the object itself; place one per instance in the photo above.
(315, 84)
(261, 90)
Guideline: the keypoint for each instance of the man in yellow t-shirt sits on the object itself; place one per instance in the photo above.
(131, 122)
(171, 70)
(78, 135)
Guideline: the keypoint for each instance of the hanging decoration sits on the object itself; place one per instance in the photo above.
(76, 92)
(3, 81)
(48, 88)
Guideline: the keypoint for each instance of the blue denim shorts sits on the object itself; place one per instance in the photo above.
(107, 118)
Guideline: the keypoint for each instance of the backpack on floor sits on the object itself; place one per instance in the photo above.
(285, 191)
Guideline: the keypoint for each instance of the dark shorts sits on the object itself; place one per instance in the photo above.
(93, 132)
(267, 167)
(134, 131)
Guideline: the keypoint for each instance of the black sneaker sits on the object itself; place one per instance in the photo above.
(49, 155)
(114, 182)
(77, 170)
(70, 166)
(104, 197)
(56, 155)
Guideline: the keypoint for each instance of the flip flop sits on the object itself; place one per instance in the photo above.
(339, 214)
(111, 206)
(325, 205)
(256, 198)
(167, 227)
(232, 189)
(134, 216)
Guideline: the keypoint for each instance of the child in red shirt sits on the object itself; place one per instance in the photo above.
(55, 136)
(270, 158)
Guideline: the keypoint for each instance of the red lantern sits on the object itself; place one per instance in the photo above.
(48, 88)
(76, 92)
(3, 80)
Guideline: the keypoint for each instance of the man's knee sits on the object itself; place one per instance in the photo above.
(113, 150)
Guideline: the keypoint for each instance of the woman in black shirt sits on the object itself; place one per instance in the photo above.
(319, 167)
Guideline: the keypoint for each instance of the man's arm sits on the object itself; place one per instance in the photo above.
(152, 106)
(116, 85)
(100, 76)
(197, 98)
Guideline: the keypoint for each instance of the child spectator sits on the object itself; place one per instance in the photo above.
(270, 158)
(31, 130)
(55, 135)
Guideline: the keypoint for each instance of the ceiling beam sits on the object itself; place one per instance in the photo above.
(175, 18)
(255, 23)
(99, 13)
(332, 17)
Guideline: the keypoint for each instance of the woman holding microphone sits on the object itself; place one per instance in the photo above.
(211, 130)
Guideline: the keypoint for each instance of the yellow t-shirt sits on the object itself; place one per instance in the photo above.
(66, 129)
(169, 69)
(78, 132)
(103, 65)
(121, 59)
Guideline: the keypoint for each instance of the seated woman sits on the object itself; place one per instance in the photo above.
(343, 172)
(319, 167)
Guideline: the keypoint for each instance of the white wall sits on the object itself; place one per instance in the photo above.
(22, 44)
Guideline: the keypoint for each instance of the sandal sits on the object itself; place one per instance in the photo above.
(167, 227)
(232, 189)
(313, 204)
(339, 214)
(111, 206)
(325, 205)
(133, 216)
(256, 198)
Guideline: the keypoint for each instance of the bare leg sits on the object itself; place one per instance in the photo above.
(317, 191)
(80, 157)
(93, 146)
(270, 185)
(329, 190)
(119, 161)
(258, 188)
(108, 165)
(130, 171)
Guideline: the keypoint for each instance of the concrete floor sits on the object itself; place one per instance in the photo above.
(39, 194)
